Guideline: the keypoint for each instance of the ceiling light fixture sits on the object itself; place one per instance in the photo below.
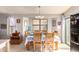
(39, 16)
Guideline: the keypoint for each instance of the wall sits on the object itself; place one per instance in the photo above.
(3, 20)
(19, 26)
(63, 28)
(57, 27)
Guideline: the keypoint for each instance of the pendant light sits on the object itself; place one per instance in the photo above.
(39, 16)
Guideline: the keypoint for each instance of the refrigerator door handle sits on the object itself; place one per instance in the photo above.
(74, 42)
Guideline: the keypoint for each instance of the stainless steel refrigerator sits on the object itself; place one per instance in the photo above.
(74, 31)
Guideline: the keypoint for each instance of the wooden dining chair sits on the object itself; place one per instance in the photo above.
(37, 39)
(49, 40)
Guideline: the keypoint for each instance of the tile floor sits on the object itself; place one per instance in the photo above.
(21, 48)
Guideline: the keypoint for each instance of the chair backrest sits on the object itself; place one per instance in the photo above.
(44, 31)
(37, 36)
(49, 37)
(26, 33)
(53, 34)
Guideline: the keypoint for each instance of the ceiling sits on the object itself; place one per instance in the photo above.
(33, 9)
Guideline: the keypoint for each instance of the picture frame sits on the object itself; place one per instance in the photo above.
(3, 26)
(18, 20)
(59, 23)
(53, 22)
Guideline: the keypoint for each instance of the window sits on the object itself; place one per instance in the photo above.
(43, 27)
(43, 22)
(35, 27)
(36, 22)
(39, 24)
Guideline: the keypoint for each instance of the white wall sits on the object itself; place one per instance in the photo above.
(49, 25)
(63, 29)
(57, 27)
(3, 20)
(19, 26)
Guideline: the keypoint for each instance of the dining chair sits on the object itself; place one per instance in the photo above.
(49, 41)
(37, 39)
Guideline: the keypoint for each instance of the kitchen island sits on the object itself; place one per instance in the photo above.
(4, 45)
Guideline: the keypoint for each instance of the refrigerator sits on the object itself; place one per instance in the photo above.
(74, 32)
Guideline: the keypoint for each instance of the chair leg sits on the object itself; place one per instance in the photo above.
(56, 45)
(34, 46)
(53, 46)
(44, 46)
(27, 46)
(41, 46)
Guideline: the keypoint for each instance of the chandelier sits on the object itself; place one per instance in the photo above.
(39, 16)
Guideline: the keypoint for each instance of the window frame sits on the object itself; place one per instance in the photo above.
(40, 24)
